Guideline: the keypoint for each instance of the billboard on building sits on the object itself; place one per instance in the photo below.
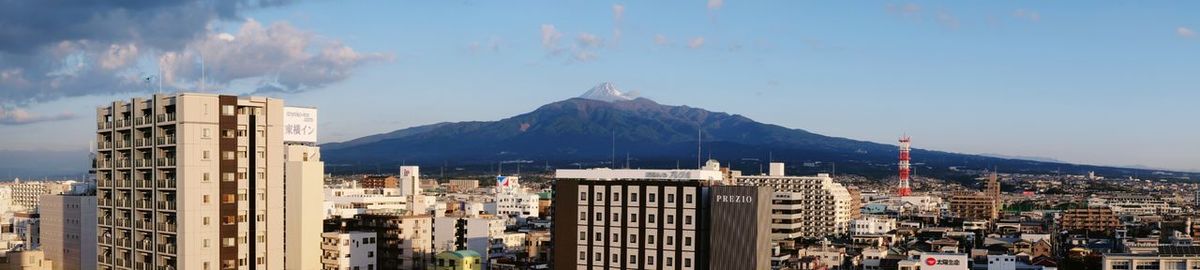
(943, 261)
(299, 124)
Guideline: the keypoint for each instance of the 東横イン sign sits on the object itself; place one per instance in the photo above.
(299, 124)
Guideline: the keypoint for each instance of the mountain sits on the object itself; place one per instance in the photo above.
(605, 125)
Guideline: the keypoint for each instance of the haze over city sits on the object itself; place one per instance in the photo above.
(1089, 84)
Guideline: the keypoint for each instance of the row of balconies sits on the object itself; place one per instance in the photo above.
(166, 205)
(163, 118)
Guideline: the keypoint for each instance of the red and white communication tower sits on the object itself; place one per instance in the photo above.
(904, 189)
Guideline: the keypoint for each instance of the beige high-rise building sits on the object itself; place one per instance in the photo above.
(805, 207)
(196, 181)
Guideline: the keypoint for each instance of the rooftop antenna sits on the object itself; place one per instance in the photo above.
(699, 141)
(203, 76)
(627, 159)
(613, 162)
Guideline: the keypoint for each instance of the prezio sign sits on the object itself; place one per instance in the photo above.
(943, 261)
(299, 124)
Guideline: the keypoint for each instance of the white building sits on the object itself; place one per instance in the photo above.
(478, 233)
(869, 225)
(514, 201)
(353, 250)
(304, 174)
(804, 206)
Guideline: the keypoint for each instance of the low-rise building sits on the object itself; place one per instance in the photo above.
(351, 250)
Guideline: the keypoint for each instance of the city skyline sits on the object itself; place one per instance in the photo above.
(1082, 84)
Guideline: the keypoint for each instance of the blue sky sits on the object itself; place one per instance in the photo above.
(1111, 84)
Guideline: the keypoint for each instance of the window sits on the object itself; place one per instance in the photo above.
(205, 157)
(205, 198)
(633, 217)
(650, 240)
(583, 216)
(599, 216)
(651, 197)
(687, 220)
(582, 236)
(633, 239)
(616, 197)
(227, 110)
(633, 197)
(616, 217)
(599, 196)
(651, 218)
(632, 258)
(583, 195)
(670, 198)
(598, 256)
(206, 221)
(227, 177)
(687, 198)
(228, 242)
(228, 133)
(370, 254)
(205, 134)
(228, 198)
(670, 241)
(227, 155)
(670, 219)
(615, 258)
(649, 260)
(206, 178)
(670, 261)
(687, 241)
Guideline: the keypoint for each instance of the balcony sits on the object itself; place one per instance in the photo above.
(105, 240)
(143, 183)
(167, 227)
(104, 259)
(166, 140)
(166, 248)
(144, 204)
(123, 222)
(124, 242)
(123, 123)
(142, 142)
(142, 163)
(124, 144)
(143, 120)
(104, 125)
(123, 164)
(123, 263)
(124, 203)
(169, 265)
(166, 183)
(102, 165)
(103, 145)
(124, 183)
(104, 221)
(166, 117)
(166, 206)
(142, 266)
(146, 245)
(166, 162)
(104, 183)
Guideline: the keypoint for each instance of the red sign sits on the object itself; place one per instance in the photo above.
(930, 261)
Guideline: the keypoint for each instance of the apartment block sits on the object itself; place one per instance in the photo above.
(68, 230)
(405, 241)
(1094, 219)
(354, 250)
(658, 219)
(803, 207)
(194, 181)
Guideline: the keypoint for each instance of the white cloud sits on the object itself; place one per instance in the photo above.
(660, 39)
(280, 57)
(618, 12)
(1030, 15)
(18, 116)
(588, 40)
(696, 43)
(1185, 32)
(715, 4)
(550, 37)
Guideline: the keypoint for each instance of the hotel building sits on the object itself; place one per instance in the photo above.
(805, 207)
(658, 219)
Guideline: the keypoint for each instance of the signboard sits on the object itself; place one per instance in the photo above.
(299, 124)
(609, 174)
(943, 261)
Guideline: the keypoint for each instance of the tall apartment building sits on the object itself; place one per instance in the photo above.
(405, 241)
(658, 219)
(809, 207)
(196, 181)
(355, 250)
(1094, 219)
(304, 181)
(973, 206)
(68, 230)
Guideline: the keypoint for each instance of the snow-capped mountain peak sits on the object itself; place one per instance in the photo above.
(606, 92)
